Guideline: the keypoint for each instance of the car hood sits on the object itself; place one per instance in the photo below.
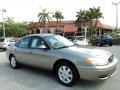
(98, 55)
(88, 52)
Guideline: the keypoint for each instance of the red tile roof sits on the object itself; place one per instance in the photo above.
(70, 28)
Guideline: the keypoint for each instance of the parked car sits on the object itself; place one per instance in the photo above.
(79, 40)
(68, 61)
(5, 42)
(104, 40)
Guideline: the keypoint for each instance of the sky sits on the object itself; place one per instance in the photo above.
(27, 10)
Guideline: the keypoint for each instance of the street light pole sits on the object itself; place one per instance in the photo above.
(3, 10)
(116, 4)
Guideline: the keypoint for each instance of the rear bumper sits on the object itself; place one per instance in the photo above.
(3, 47)
(97, 73)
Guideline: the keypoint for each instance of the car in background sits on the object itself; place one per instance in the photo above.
(79, 40)
(104, 40)
(58, 54)
(5, 42)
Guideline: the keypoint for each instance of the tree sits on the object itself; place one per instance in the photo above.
(83, 20)
(9, 20)
(44, 16)
(58, 16)
(14, 29)
(96, 14)
(86, 18)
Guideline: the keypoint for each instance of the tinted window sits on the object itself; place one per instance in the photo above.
(2, 39)
(23, 43)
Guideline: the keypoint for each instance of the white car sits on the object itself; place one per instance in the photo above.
(79, 40)
(5, 42)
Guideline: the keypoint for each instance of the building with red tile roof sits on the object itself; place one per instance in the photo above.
(65, 28)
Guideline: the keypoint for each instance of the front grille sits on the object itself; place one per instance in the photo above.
(110, 59)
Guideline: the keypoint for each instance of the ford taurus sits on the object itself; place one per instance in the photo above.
(68, 61)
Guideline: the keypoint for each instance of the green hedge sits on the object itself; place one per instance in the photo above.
(116, 41)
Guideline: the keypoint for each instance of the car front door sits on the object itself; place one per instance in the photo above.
(40, 54)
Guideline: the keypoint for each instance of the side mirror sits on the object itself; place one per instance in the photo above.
(44, 47)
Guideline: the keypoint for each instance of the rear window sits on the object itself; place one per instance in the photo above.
(2, 39)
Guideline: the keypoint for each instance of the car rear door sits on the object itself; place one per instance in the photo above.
(22, 50)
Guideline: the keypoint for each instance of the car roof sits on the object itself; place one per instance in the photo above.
(41, 35)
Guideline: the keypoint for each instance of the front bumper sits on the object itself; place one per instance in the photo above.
(97, 72)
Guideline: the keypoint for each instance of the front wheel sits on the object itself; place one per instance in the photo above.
(13, 62)
(66, 74)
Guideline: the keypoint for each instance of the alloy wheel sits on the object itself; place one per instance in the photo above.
(65, 74)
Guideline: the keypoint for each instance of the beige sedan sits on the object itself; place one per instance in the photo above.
(68, 61)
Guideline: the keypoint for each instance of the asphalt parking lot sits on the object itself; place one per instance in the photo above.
(28, 78)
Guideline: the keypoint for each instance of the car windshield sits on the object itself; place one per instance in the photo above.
(106, 36)
(1, 39)
(58, 42)
(72, 38)
(80, 38)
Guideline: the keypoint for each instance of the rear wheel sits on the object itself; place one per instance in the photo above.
(66, 74)
(13, 62)
(99, 44)
(110, 44)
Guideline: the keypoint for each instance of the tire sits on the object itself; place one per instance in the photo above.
(110, 44)
(98, 44)
(13, 62)
(66, 74)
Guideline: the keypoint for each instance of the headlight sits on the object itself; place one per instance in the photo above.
(89, 61)
(96, 61)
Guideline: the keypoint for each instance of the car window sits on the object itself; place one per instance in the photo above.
(106, 36)
(58, 42)
(80, 38)
(37, 43)
(72, 38)
(23, 43)
(2, 39)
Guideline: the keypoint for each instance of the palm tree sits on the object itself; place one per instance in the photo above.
(95, 14)
(10, 20)
(58, 16)
(44, 16)
(86, 17)
(83, 19)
